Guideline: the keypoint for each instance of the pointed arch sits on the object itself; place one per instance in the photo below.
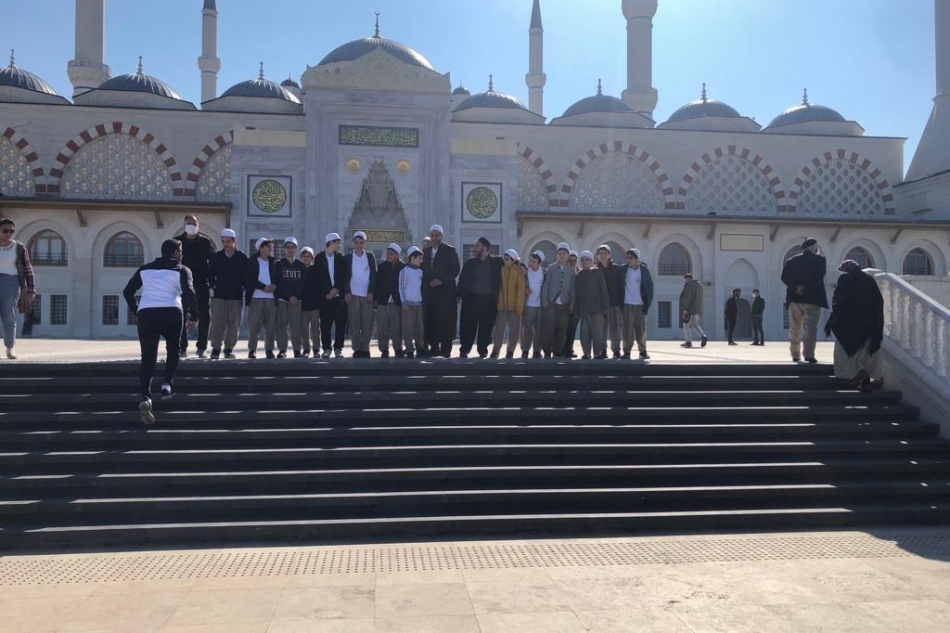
(862, 163)
(206, 153)
(546, 176)
(29, 155)
(744, 153)
(115, 127)
(570, 181)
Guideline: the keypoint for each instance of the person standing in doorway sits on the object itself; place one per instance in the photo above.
(17, 283)
(289, 293)
(731, 314)
(167, 293)
(758, 312)
(613, 277)
(478, 287)
(637, 298)
(260, 283)
(228, 270)
(691, 310)
(360, 285)
(198, 253)
(805, 296)
(531, 323)
(326, 282)
(388, 304)
(440, 264)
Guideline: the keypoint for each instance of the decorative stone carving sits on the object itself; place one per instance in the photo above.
(731, 185)
(378, 208)
(116, 167)
(840, 187)
(377, 70)
(214, 184)
(617, 182)
(16, 175)
(532, 192)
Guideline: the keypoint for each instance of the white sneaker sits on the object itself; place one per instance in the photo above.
(145, 412)
(167, 391)
(11, 353)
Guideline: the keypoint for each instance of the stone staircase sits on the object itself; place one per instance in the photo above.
(303, 451)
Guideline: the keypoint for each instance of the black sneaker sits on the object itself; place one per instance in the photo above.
(200, 353)
(384, 353)
(510, 355)
(463, 355)
(326, 354)
(644, 356)
(306, 353)
(625, 356)
(280, 354)
(228, 353)
(703, 341)
(269, 354)
(252, 355)
(182, 353)
(297, 354)
(399, 354)
(215, 354)
(410, 354)
(616, 354)
(167, 391)
(537, 355)
(686, 344)
(811, 361)
(145, 412)
(494, 355)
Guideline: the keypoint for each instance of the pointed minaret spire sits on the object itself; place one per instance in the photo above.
(139, 71)
(377, 25)
(12, 59)
(640, 93)
(703, 97)
(805, 98)
(260, 73)
(600, 87)
(86, 70)
(535, 79)
(491, 83)
(208, 63)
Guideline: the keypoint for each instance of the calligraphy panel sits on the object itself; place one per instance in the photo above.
(374, 136)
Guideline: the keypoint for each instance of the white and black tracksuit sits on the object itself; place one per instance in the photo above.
(166, 290)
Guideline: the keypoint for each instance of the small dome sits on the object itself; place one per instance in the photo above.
(261, 88)
(491, 99)
(461, 91)
(704, 107)
(598, 103)
(357, 48)
(289, 83)
(19, 78)
(139, 82)
(806, 113)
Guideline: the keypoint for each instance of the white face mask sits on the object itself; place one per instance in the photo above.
(191, 229)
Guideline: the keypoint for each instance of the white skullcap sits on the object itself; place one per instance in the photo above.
(396, 248)
(564, 246)
(539, 255)
(228, 233)
(512, 253)
(290, 240)
(359, 234)
(587, 255)
(412, 251)
(436, 228)
(306, 249)
(259, 242)
(332, 237)
(605, 247)
(572, 252)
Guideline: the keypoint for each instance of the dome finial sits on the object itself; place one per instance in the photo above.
(491, 83)
(260, 73)
(377, 25)
(139, 71)
(12, 59)
(704, 93)
(600, 89)
(805, 98)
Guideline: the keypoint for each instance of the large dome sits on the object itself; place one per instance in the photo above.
(19, 78)
(260, 88)
(357, 48)
(704, 107)
(806, 113)
(139, 82)
(598, 103)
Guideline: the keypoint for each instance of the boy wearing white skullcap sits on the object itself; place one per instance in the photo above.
(388, 305)
(591, 301)
(361, 283)
(613, 276)
(511, 300)
(410, 295)
(531, 322)
(228, 270)
(261, 282)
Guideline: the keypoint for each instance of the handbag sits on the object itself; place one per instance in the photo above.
(687, 317)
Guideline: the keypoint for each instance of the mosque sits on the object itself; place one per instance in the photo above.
(374, 138)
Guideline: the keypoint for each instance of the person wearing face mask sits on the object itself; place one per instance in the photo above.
(227, 280)
(17, 286)
(197, 254)
(167, 293)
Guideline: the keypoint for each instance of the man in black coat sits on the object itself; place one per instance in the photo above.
(440, 268)
(731, 314)
(228, 272)
(478, 287)
(804, 278)
(758, 314)
(325, 282)
(197, 254)
(857, 320)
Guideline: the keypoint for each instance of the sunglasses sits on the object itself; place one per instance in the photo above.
(8, 231)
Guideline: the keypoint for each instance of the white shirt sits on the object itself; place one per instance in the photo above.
(263, 277)
(8, 260)
(631, 294)
(359, 275)
(331, 267)
(535, 279)
(410, 286)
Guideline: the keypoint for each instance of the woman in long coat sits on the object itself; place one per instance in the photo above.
(857, 320)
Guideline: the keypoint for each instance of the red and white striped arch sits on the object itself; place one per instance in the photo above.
(194, 171)
(570, 181)
(741, 152)
(546, 176)
(27, 151)
(887, 193)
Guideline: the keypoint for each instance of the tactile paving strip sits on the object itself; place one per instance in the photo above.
(107, 568)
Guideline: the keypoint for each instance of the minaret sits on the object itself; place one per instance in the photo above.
(640, 93)
(208, 63)
(536, 77)
(87, 70)
(933, 152)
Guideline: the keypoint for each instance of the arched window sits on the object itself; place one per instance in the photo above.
(124, 250)
(918, 262)
(861, 256)
(48, 248)
(546, 247)
(675, 260)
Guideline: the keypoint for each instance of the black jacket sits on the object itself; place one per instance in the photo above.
(732, 308)
(387, 283)
(371, 261)
(252, 273)
(290, 281)
(758, 307)
(197, 254)
(229, 275)
(857, 314)
(162, 282)
(465, 277)
(591, 295)
(317, 280)
(808, 271)
(614, 278)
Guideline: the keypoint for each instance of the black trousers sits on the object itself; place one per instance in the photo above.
(730, 327)
(155, 323)
(204, 319)
(477, 319)
(758, 334)
(571, 335)
(333, 312)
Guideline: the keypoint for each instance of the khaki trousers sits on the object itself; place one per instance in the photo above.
(413, 329)
(693, 326)
(261, 313)
(389, 326)
(803, 319)
(612, 327)
(288, 316)
(310, 329)
(634, 328)
(225, 322)
(511, 320)
(531, 329)
(847, 367)
(593, 343)
(359, 322)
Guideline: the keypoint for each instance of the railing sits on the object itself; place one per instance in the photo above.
(916, 323)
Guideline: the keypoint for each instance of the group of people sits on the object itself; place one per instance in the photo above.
(691, 309)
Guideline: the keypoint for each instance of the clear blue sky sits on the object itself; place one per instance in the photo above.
(872, 60)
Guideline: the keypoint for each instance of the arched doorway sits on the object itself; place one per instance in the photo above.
(742, 275)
